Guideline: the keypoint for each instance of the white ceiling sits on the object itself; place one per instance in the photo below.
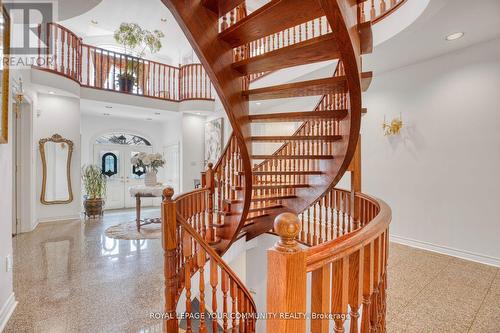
(97, 108)
(425, 38)
(109, 14)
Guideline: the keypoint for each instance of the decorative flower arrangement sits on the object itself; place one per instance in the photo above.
(149, 162)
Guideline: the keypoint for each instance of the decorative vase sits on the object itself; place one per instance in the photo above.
(93, 207)
(126, 84)
(150, 178)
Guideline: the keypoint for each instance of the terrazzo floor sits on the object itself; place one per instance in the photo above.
(69, 277)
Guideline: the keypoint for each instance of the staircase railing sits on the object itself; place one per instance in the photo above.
(226, 180)
(285, 169)
(347, 274)
(193, 269)
(376, 10)
(93, 67)
(370, 10)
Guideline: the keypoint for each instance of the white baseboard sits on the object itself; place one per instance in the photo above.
(476, 257)
(59, 219)
(7, 310)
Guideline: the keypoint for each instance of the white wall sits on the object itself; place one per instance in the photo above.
(7, 301)
(192, 150)
(440, 176)
(61, 115)
(93, 126)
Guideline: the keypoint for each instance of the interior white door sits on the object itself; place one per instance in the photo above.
(132, 179)
(118, 185)
(172, 169)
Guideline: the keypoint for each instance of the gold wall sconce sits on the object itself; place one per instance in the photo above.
(394, 127)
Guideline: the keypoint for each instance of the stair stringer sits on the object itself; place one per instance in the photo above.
(342, 17)
(200, 25)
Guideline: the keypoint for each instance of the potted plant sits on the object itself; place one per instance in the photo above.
(135, 41)
(94, 184)
(150, 163)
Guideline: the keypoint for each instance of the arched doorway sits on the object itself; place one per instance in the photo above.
(112, 152)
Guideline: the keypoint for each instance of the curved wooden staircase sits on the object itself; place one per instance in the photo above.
(245, 192)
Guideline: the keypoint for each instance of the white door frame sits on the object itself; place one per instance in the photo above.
(24, 180)
(176, 181)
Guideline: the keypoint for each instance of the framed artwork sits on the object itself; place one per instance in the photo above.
(5, 48)
(213, 140)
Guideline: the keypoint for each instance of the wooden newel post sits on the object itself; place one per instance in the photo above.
(286, 279)
(210, 180)
(169, 243)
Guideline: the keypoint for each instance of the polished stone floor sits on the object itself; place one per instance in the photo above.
(69, 277)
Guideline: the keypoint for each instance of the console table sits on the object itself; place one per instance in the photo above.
(142, 191)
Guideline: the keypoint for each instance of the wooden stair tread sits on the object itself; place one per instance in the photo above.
(297, 116)
(279, 138)
(252, 216)
(265, 207)
(273, 17)
(317, 49)
(286, 173)
(272, 197)
(366, 80)
(292, 157)
(276, 186)
(336, 84)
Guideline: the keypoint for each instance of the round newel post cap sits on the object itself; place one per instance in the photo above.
(210, 165)
(287, 226)
(168, 193)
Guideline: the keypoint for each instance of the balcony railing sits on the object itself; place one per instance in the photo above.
(98, 68)
(376, 10)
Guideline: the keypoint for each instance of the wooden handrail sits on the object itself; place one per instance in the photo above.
(376, 10)
(187, 251)
(346, 273)
(380, 9)
(213, 255)
(98, 68)
(345, 245)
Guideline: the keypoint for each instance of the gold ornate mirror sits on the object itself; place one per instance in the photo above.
(4, 76)
(56, 153)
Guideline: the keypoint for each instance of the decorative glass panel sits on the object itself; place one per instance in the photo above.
(123, 139)
(109, 164)
(138, 171)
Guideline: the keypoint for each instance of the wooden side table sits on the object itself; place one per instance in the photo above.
(142, 191)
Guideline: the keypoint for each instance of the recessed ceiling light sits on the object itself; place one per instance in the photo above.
(51, 92)
(454, 36)
(164, 19)
(149, 118)
(108, 106)
(198, 113)
(94, 22)
(258, 103)
(106, 114)
(157, 113)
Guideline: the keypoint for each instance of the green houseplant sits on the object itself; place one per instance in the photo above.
(135, 41)
(94, 184)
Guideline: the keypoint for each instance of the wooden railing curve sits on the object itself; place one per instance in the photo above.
(345, 245)
(376, 10)
(99, 68)
(187, 251)
(348, 274)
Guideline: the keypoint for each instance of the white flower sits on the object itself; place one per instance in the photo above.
(134, 160)
(147, 160)
(142, 155)
(158, 156)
